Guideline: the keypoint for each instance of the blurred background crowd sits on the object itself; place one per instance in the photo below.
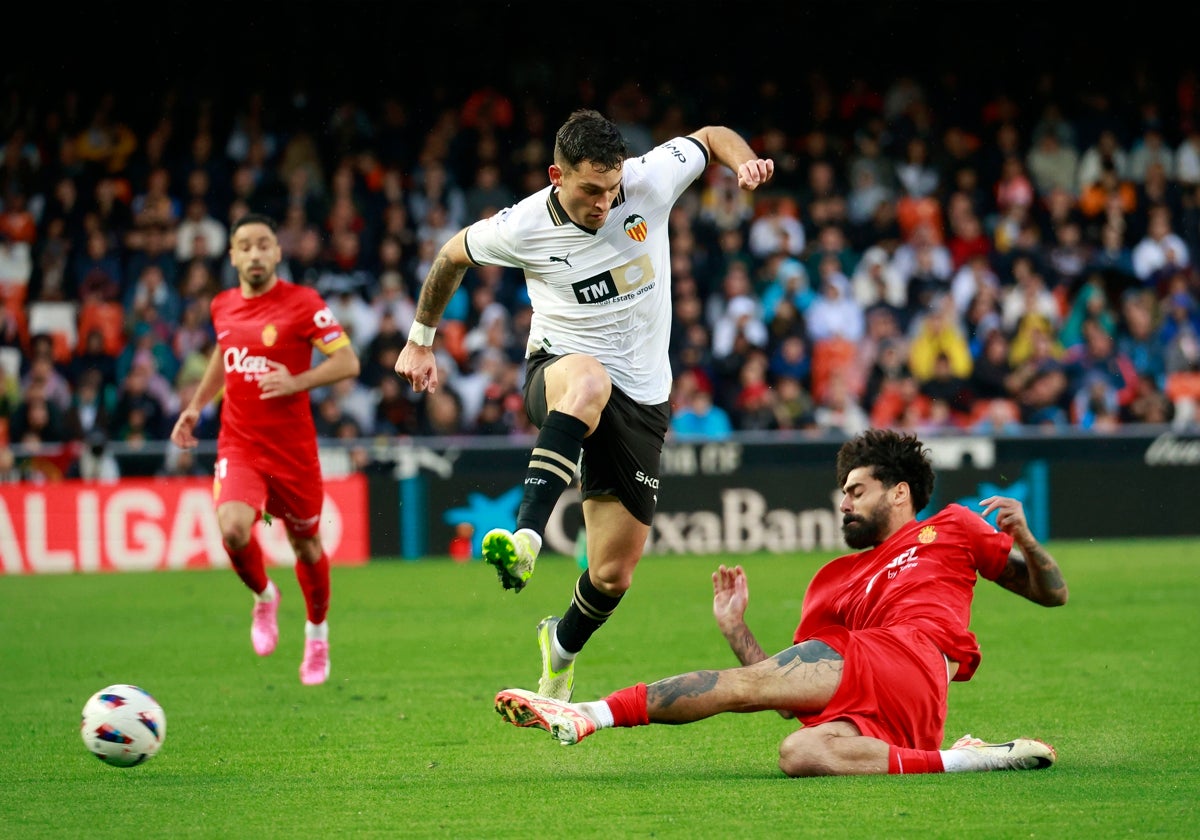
(933, 253)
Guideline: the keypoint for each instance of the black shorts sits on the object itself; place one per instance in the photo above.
(621, 458)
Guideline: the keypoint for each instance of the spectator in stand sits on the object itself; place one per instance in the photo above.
(148, 247)
(936, 334)
(830, 243)
(839, 410)
(1158, 189)
(866, 194)
(1067, 259)
(741, 318)
(991, 371)
(1136, 337)
(976, 277)
(1052, 164)
(1106, 152)
(793, 405)
(1090, 303)
(890, 385)
(1112, 259)
(875, 281)
(1028, 296)
(151, 292)
(1161, 252)
(199, 233)
(1149, 404)
(1150, 150)
(37, 419)
(790, 359)
(996, 417)
(967, 236)
(1187, 159)
(43, 373)
(1013, 189)
(695, 416)
(98, 269)
(1179, 332)
(488, 193)
(776, 228)
(923, 241)
(787, 278)
(834, 314)
(916, 172)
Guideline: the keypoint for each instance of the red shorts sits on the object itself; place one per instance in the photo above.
(293, 499)
(894, 686)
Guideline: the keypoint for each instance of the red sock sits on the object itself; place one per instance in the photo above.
(248, 563)
(314, 583)
(628, 706)
(906, 761)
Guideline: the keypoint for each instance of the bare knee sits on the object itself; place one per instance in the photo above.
(836, 748)
(801, 756)
(307, 549)
(579, 387)
(236, 534)
(236, 521)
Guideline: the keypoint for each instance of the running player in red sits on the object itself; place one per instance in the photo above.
(882, 633)
(267, 460)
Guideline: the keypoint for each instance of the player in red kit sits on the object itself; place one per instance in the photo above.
(882, 633)
(266, 330)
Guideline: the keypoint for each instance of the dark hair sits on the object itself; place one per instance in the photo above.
(254, 219)
(893, 457)
(589, 135)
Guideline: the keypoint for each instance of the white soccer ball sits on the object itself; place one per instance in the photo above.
(123, 725)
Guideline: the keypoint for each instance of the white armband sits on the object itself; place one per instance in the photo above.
(421, 334)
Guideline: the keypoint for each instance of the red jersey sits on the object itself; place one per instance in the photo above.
(923, 576)
(283, 325)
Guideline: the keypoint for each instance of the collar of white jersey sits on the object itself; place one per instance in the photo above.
(558, 215)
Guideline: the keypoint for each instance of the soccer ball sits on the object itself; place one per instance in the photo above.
(123, 725)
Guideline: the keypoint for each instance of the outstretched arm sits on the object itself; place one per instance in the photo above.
(183, 435)
(726, 146)
(1031, 572)
(731, 596)
(416, 362)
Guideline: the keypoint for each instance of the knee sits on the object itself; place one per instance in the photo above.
(801, 757)
(613, 581)
(235, 535)
(585, 394)
(307, 549)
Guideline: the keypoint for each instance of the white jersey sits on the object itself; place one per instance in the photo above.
(605, 293)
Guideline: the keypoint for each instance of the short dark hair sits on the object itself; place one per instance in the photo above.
(588, 135)
(254, 219)
(893, 457)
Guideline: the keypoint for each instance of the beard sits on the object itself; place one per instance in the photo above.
(865, 531)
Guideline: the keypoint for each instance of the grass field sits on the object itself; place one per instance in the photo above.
(403, 742)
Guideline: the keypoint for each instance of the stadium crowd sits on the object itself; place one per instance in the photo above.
(923, 259)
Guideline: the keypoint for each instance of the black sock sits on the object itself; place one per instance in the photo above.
(551, 468)
(589, 609)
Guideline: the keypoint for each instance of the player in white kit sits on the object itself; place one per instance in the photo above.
(594, 249)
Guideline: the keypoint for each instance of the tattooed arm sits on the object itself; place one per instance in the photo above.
(731, 596)
(416, 362)
(1031, 573)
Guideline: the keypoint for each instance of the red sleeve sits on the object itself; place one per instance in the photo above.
(989, 546)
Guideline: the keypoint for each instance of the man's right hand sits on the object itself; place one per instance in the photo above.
(418, 365)
(183, 435)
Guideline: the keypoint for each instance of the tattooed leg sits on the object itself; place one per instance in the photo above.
(801, 678)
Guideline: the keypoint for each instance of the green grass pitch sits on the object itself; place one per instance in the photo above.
(403, 742)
